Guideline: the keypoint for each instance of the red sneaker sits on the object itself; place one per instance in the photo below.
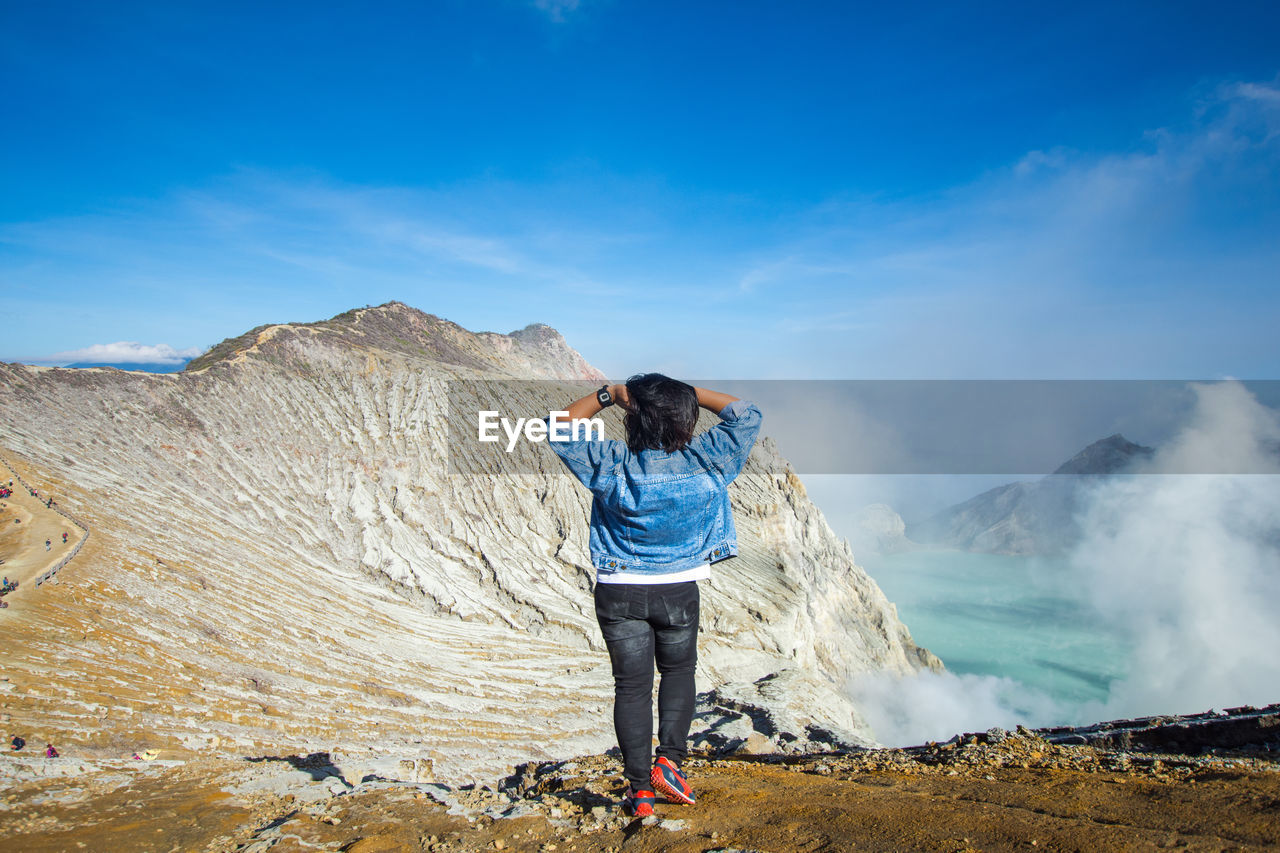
(670, 782)
(638, 803)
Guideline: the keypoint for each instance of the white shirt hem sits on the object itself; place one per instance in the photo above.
(697, 573)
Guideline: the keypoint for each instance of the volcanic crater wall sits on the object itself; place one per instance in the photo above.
(283, 559)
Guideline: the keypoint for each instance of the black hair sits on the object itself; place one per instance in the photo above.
(664, 412)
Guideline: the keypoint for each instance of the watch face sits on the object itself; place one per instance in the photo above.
(604, 397)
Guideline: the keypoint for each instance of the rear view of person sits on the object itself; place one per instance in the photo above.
(660, 516)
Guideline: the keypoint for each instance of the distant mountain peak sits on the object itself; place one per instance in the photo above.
(1037, 517)
(536, 351)
(539, 332)
(1107, 455)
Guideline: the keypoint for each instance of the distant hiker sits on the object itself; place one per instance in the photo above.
(47, 544)
(660, 516)
(17, 743)
(49, 751)
(64, 538)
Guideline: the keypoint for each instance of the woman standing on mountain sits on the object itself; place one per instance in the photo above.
(660, 516)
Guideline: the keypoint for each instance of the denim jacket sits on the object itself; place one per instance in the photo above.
(654, 512)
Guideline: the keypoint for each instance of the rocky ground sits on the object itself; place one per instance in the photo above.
(992, 791)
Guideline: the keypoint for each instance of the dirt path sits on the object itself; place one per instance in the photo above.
(25, 524)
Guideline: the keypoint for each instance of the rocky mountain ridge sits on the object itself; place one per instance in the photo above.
(537, 350)
(282, 559)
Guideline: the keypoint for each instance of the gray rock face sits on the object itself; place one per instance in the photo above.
(282, 561)
(878, 529)
(1030, 518)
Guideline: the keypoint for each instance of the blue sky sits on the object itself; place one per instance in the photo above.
(748, 190)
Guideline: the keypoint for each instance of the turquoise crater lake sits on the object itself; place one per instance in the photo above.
(1020, 618)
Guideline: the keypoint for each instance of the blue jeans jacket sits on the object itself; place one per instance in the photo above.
(654, 512)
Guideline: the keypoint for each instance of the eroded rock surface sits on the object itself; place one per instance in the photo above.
(282, 561)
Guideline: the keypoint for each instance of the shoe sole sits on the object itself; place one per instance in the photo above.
(666, 789)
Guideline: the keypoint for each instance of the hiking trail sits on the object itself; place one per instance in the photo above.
(27, 522)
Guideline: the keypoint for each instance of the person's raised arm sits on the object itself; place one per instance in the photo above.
(588, 406)
(714, 401)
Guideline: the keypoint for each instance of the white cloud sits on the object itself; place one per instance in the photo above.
(1034, 161)
(1257, 92)
(125, 352)
(556, 10)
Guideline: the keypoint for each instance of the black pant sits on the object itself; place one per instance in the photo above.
(644, 623)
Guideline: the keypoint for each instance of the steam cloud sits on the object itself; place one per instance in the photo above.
(934, 706)
(1189, 565)
(1186, 566)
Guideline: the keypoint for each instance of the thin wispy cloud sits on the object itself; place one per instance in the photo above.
(302, 221)
(1095, 257)
(1157, 260)
(258, 247)
(557, 10)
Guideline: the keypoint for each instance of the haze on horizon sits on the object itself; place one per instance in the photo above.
(728, 190)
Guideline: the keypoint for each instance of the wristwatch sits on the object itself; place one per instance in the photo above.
(604, 397)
